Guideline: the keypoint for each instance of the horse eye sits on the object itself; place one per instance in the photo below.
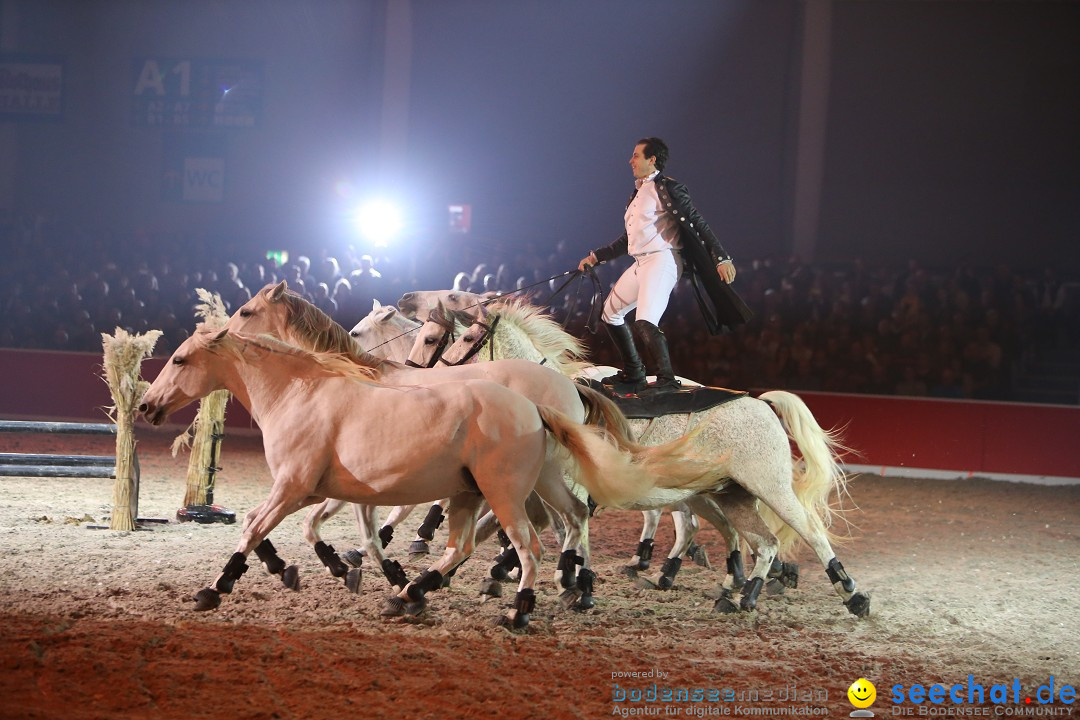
(469, 338)
(244, 312)
(355, 334)
(429, 341)
(453, 297)
(178, 361)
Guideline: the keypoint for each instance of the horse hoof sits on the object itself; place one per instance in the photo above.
(665, 583)
(354, 557)
(498, 572)
(207, 599)
(516, 625)
(491, 588)
(859, 604)
(774, 587)
(352, 580)
(416, 607)
(290, 578)
(419, 547)
(395, 607)
(585, 602)
(446, 581)
(700, 556)
(568, 598)
(725, 606)
(644, 583)
(790, 575)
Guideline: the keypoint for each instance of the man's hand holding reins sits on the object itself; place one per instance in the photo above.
(587, 262)
(726, 269)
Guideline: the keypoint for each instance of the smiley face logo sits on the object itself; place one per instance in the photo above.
(862, 693)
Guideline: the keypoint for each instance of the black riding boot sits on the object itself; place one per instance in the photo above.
(633, 372)
(654, 345)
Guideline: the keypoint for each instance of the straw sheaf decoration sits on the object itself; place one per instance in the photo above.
(210, 419)
(123, 358)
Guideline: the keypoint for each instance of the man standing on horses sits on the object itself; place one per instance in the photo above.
(662, 226)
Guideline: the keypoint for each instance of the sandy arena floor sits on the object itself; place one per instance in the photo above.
(967, 577)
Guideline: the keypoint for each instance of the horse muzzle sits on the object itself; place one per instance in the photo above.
(153, 414)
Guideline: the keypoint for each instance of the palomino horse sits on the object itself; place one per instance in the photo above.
(328, 427)
(287, 316)
(762, 461)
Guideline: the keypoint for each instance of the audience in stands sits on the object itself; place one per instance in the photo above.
(904, 329)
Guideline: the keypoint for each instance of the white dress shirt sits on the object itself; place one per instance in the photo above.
(649, 228)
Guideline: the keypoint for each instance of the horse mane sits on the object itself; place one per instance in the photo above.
(566, 352)
(322, 334)
(336, 363)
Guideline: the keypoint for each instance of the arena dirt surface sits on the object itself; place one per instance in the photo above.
(967, 577)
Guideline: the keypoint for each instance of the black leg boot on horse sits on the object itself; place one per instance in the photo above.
(632, 377)
(655, 347)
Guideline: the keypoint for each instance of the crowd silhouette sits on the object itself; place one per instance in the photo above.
(884, 328)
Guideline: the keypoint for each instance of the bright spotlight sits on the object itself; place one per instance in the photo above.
(379, 221)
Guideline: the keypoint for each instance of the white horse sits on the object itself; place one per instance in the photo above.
(386, 326)
(328, 427)
(762, 463)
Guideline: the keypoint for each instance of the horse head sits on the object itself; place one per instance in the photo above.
(421, 303)
(432, 338)
(385, 332)
(189, 374)
(478, 334)
(268, 312)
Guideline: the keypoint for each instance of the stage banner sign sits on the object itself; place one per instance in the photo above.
(31, 88)
(193, 168)
(196, 94)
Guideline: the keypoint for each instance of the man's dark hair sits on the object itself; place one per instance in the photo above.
(655, 147)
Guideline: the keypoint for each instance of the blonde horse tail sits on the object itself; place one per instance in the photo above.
(656, 476)
(817, 477)
(602, 411)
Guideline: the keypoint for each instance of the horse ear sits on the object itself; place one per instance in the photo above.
(219, 336)
(391, 312)
(278, 291)
(375, 305)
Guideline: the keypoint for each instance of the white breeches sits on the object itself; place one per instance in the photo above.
(646, 285)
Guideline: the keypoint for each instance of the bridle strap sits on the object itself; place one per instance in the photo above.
(487, 339)
(436, 356)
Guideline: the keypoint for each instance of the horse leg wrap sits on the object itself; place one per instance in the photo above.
(431, 523)
(386, 534)
(735, 569)
(585, 580)
(504, 539)
(839, 577)
(524, 603)
(506, 561)
(750, 593)
(644, 553)
(668, 572)
(568, 562)
(236, 567)
(428, 580)
(330, 559)
(267, 554)
(394, 573)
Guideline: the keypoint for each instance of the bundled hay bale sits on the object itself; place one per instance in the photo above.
(209, 423)
(123, 358)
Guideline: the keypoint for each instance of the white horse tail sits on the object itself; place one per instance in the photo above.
(616, 478)
(602, 411)
(817, 477)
